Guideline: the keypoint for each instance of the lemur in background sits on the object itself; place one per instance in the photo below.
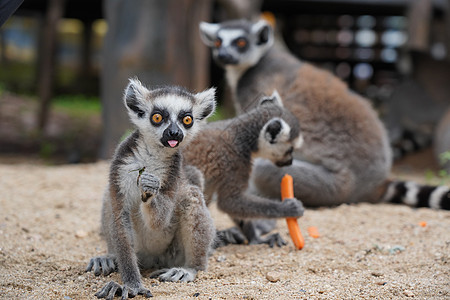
(346, 156)
(152, 216)
(224, 152)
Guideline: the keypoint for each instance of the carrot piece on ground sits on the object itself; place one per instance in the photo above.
(313, 232)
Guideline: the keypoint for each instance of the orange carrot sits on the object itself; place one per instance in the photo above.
(313, 232)
(287, 191)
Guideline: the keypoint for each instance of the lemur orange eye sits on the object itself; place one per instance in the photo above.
(217, 43)
(241, 43)
(157, 118)
(187, 120)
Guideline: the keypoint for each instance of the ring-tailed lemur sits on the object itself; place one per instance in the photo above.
(152, 216)
(346, 155)
(224, 152)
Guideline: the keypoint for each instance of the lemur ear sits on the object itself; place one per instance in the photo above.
(274, 99)
(263, 32)
(272, 130)
(208, 33)
(134, 96)
(205, 104)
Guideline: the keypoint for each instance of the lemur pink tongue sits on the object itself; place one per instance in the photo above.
(172, 143)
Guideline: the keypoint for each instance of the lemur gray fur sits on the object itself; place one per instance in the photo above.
(224, 152)
(153, 217)
(346, 156)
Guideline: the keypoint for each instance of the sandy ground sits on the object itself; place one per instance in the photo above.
(49, 228)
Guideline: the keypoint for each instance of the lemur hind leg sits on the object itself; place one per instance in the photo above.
(250, 231)
(255, 229)
(229, 236)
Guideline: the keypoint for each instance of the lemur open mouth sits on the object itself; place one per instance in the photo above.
(172, 143)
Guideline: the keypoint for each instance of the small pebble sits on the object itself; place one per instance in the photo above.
(376, 274)
(239, 255)
(221, 258)
(396, 249)
(408, 293)
(273, 276)
(196, 295)
(81, 234)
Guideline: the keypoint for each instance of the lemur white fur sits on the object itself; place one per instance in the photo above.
(346, 156)
(153, 217)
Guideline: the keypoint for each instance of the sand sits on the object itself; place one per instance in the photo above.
(49, 229)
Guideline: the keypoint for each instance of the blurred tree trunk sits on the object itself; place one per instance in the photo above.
(47, 53)
(155, 40)
(85, 73)
(238, 9)
(420, 13)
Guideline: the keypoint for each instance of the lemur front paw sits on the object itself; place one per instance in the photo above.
(175, 274)
(292, 207)
(105, 264)
(149, 185)
(112, 289)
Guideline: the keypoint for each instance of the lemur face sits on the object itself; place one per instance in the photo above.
(171, 118)
(276, 143)
(237, 43)
(167, 116)
(279, 136)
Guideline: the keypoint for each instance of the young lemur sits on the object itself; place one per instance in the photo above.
(346, 155)
(153, 217)
(224, 152)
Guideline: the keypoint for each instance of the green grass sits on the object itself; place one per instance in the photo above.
(442, 177)
(219, 114)
(77, 105)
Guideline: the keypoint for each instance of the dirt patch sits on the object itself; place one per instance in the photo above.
(49, 228)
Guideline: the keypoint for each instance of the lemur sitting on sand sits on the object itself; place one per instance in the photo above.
(346, 157)
(224, 152)
(152, 216)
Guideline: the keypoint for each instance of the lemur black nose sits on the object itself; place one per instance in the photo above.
(225, 57)
(174, 132)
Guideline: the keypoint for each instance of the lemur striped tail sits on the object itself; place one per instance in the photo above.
(417, 195)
